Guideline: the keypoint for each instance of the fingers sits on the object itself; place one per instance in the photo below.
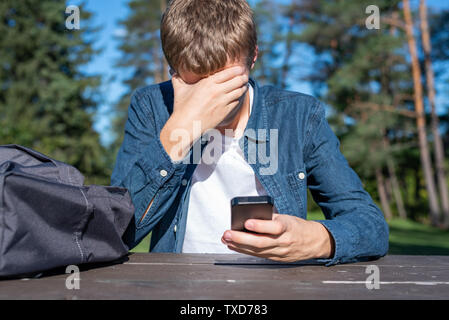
(272, 253)
(227, 74)
(263, 246)
(235, 95)
(261, 241)
(268, 253)
(237, 82)
(273, 227)
(233, 98)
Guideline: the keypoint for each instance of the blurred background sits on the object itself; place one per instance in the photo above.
(385, 81)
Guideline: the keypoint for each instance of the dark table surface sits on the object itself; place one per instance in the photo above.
(197, 276)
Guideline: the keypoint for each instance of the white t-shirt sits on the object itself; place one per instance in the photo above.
(214, 184)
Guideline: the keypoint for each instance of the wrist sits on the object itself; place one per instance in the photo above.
(176, 139)
(325, 242)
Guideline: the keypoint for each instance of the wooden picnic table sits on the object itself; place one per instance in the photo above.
(223, 277)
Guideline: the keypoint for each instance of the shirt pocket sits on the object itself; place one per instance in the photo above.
(297, 182)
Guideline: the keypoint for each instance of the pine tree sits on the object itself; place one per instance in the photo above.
(267, 15)
(141, 54)
(435, 122)
(46, 101)
(420, 117)
(360, 74)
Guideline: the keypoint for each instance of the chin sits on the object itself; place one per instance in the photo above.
(230, 117)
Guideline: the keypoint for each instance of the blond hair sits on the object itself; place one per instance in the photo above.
(201, 36)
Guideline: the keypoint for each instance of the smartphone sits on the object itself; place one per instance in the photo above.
(244, 208)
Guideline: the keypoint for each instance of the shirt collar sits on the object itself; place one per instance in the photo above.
(258, 116)
(251, 97)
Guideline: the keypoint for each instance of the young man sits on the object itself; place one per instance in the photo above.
(184, 200)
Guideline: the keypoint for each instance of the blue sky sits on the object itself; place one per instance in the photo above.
(107, 13)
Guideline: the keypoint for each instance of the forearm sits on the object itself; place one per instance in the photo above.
(356, 224)
(359, 234)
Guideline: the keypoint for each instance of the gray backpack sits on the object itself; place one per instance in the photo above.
(49, 219)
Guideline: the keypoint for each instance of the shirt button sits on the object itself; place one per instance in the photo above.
(184, 182)
(301, 175)
(163, 173)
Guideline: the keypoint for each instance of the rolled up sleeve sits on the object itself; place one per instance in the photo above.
(356, 224)
(145, 169)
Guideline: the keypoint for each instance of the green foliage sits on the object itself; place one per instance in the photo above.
(267, 16)
(362, 155)
(364, 76)
(141, 56)
(439, 26)
(410, 237)
(47, 102)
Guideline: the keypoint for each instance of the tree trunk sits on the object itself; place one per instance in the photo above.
(383, 194)
(396, 190)
(388, 188)
(438, 144)
(394, 183)
(420, 118)
(417, 185)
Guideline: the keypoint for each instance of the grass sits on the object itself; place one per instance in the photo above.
(144, 245)
(411, 238)
(406, 237)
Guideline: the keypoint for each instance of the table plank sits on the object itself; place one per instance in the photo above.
(207, 276)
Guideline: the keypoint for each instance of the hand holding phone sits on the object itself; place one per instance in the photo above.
(253, 207)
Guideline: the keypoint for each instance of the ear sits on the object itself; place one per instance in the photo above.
(255, 57)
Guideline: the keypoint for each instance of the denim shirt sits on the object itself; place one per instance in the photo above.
(304, 153)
